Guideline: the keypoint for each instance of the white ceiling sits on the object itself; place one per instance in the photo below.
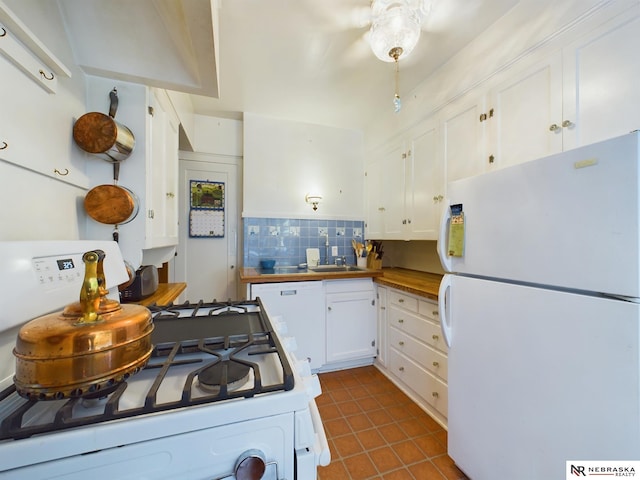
(308, 60)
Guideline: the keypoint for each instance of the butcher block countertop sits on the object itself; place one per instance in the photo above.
(411, 281)
(253, 275)
(164, 295)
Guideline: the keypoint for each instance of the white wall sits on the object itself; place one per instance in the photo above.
(284, 160)
(221, 136)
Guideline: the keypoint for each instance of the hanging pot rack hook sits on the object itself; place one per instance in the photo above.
(44, 75)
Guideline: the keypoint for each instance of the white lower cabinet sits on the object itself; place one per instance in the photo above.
(333, 322)
(381, 309)
(351, 320)
(416, 355)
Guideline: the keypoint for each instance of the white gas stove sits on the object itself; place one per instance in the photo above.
(220, 394)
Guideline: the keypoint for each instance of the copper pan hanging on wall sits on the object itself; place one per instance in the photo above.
(103, 135)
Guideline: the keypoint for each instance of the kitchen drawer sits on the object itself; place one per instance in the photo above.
(431, 389)
(429, 310)
(424, 355)
(418, 327)
(403, 300)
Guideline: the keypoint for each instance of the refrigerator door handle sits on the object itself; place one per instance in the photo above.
(445, 314)
(445, 219)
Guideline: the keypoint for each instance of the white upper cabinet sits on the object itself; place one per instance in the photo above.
(584, 93)
(525, 115)
(601, 97)
(463, 136)
(375, 184)
(38, 103)
(393, 190)
(425, 189)
(405, 187)
(162, 172)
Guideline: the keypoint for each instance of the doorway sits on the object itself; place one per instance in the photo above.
(208, 264)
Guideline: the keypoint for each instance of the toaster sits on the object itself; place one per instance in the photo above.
(145, 283)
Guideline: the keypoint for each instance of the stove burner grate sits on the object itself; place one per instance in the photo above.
(251, 334)
(227, 373)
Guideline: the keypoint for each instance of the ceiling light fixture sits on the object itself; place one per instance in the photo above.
(395, 30)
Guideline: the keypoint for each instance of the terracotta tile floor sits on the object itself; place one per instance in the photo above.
(376, 432)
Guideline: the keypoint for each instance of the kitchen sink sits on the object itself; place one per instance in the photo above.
(290, 270)
(283, 270)
(336, 268)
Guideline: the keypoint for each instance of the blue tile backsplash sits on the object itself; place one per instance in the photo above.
(286, 239)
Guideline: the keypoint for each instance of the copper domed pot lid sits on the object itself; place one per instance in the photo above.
(88, 347)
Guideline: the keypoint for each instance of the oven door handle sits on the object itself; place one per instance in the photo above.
(321, 447)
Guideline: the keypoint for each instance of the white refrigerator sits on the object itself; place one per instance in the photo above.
(540, 312)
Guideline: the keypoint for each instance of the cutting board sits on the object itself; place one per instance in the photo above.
(313, 257)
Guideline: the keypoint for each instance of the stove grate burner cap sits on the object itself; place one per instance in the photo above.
(211, 377)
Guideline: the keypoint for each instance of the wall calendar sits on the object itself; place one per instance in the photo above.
(206, 213)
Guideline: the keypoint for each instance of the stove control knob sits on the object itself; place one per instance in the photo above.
(251, 465)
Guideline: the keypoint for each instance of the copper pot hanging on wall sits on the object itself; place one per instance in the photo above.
(90, 346)
(102, 135)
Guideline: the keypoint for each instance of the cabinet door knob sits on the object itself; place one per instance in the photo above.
(329, 308)
(435, 364)
(400, 320)
(435, 312)
(401, 343)
(435, 337)
(401, 300)
(567, 124)
(435, 394)
(553, 127)
(401, 369)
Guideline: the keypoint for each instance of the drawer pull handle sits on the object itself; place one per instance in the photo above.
(434, 394)
(400, 320)
(435, 337)
(435, 364)
(401, 343)
(401, 369)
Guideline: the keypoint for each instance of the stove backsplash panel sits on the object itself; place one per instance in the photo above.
(286, 239)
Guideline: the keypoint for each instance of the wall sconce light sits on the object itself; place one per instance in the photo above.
(313, 200)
